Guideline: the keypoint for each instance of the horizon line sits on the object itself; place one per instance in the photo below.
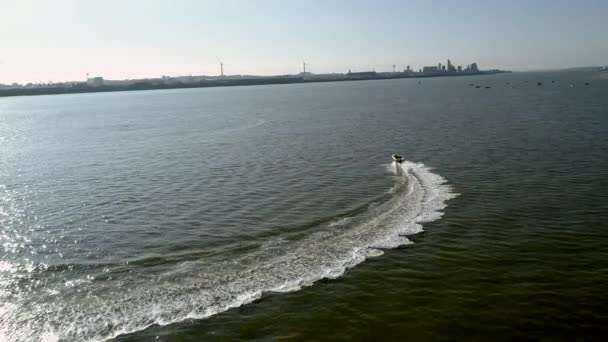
(270, 75)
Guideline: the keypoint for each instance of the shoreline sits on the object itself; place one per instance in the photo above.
(271, 80)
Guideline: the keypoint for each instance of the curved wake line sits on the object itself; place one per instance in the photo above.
(199, 289)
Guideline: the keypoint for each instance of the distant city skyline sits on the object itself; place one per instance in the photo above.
(64, 40)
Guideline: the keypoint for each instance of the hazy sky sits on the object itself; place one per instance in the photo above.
(64, 39)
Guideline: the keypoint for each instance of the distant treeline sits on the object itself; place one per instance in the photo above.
(84, 88)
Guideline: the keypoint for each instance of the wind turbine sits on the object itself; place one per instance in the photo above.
(221, 66)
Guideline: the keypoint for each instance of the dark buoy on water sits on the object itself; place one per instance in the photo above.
(488, 87)
(586, 83)
(477, 87)
(539, 84)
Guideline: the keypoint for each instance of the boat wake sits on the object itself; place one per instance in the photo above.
(102, 309)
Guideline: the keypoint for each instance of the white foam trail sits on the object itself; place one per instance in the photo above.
(340, 222)
(202, 288)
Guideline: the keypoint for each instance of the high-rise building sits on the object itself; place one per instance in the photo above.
(451, 67)
(474, 67)
(459, 68)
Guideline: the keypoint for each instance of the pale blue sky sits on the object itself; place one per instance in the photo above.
(64, 39)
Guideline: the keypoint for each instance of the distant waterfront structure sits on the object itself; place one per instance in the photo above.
(361, 74)
(95, 81)
(430, 69)
(305, 74)
(99, 84)
(451, 67)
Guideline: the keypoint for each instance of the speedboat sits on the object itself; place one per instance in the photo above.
(398, 158)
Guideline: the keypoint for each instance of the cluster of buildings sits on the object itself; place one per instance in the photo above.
(449, 68)
(439, 69)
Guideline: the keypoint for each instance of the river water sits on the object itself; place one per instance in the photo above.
(275, 212)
